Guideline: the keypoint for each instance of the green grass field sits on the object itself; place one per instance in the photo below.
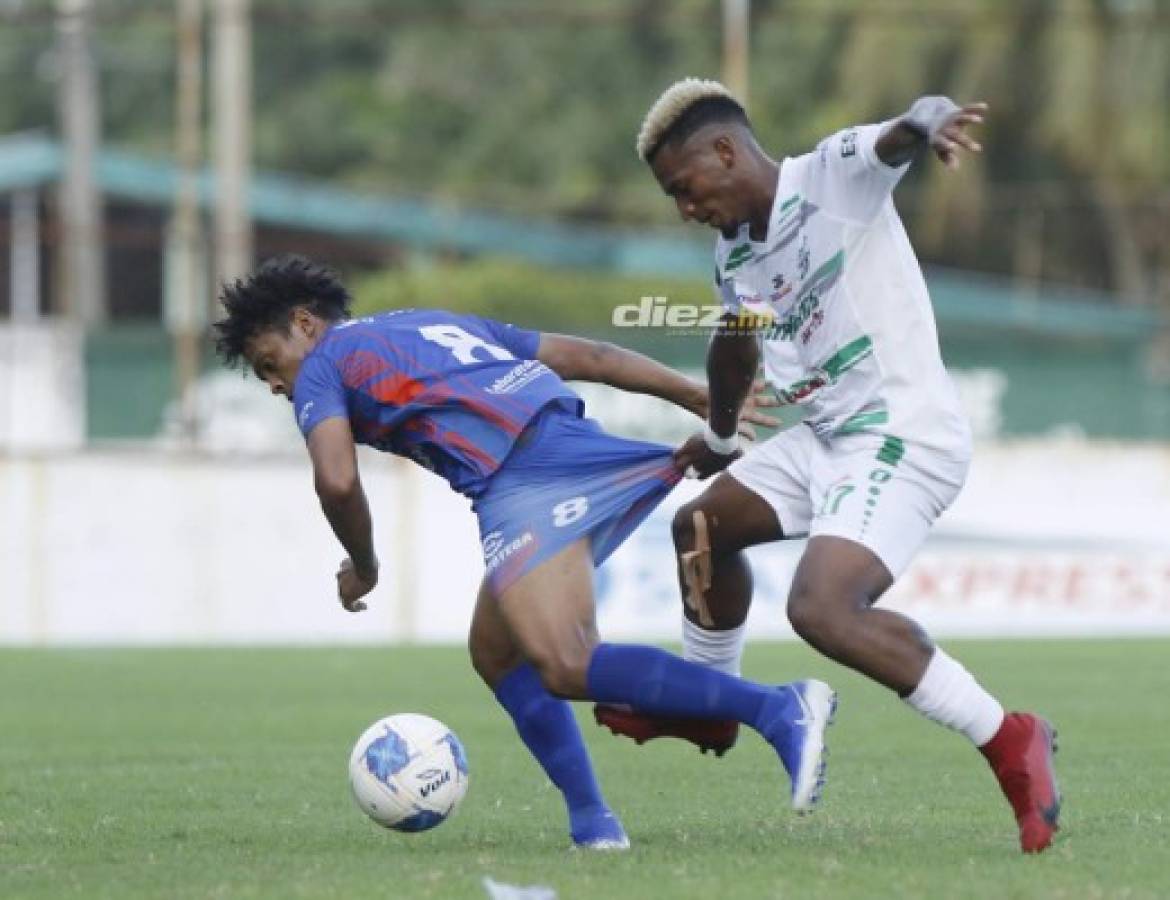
(221, 773)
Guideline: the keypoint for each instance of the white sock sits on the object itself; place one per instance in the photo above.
(720, 650)
(950, 695)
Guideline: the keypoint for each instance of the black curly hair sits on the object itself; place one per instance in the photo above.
(265, 300)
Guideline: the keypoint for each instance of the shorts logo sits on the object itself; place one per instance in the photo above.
(492, 543)
(499, 551)
(304, 416)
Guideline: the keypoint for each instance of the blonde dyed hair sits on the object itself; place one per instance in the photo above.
(670, 107)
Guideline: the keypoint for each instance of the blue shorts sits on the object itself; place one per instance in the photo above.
(564, 480)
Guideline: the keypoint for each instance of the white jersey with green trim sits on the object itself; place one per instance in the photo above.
(847, 327)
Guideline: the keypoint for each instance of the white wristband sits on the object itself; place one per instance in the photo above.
(927, 115)
(724, 446)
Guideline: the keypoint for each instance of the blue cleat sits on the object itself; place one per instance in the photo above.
(793, 721)
(598, 829)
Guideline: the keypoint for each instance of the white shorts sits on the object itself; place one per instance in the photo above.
(879, 491)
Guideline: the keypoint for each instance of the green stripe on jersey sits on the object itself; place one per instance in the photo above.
(892, 451)
(848, 356)
(737, 257)
(864, 420)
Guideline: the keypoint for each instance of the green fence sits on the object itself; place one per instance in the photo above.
(1100, 387)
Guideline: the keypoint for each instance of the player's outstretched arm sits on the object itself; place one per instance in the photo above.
(581, 359)
(733, 357)
(339, 488)
(935, 122)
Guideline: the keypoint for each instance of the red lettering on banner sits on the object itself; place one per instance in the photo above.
(1073, 587)
(1100, 584)
(1031, 581)
(924, 584)
(976, 578)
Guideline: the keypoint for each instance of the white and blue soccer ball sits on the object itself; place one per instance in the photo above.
(408, 772)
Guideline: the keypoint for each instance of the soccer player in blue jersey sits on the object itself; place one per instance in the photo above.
(483, 405)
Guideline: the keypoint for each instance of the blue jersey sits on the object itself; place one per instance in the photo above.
(451, 392)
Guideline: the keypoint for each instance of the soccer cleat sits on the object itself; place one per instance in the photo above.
(598, 829)
(718, 735)
(1020, 755)
(793, 721)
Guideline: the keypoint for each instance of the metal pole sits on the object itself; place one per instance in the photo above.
(25, 266)
(736, 16)
(83, 265)
(233, 138)
(186, 283)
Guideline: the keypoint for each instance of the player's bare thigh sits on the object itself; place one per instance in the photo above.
(550, 615)
(835, 573)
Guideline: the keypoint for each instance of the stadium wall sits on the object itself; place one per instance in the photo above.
(139, 547)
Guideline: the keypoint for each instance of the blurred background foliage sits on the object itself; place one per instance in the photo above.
(539, 297)
(531, 108)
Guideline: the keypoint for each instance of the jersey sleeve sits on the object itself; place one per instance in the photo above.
(319, 393)
(845, 177)
(520, 342)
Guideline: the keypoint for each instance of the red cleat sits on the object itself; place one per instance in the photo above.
(1020, 755)
(707, 734)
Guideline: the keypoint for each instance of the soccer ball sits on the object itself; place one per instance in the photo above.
(408, 772)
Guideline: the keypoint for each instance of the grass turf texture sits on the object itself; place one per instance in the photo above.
(221, 773)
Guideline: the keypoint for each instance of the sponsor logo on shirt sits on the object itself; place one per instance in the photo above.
(790, 326)
(750, 300)
(519, 376)
(848, 144)
(814, 323)
(808, 305)
(782, 289)
(799, 391)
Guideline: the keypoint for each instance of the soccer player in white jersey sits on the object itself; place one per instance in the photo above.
(815, 271)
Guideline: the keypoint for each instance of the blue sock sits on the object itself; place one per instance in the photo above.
(550, 732)
(656, 682)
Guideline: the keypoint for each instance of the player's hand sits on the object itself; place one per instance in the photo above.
(953, 138)
(696, 460)
(352, 585)
(759, 398)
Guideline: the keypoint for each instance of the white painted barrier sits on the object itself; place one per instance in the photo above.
(42, 386)
(153, 548)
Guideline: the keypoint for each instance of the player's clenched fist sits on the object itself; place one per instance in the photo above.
(696, 460)
(353, 584)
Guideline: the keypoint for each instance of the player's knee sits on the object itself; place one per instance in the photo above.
(491, 663)
(482, 663)
(813, 616)
(563, 673)
(682, 528)
(694, 527)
